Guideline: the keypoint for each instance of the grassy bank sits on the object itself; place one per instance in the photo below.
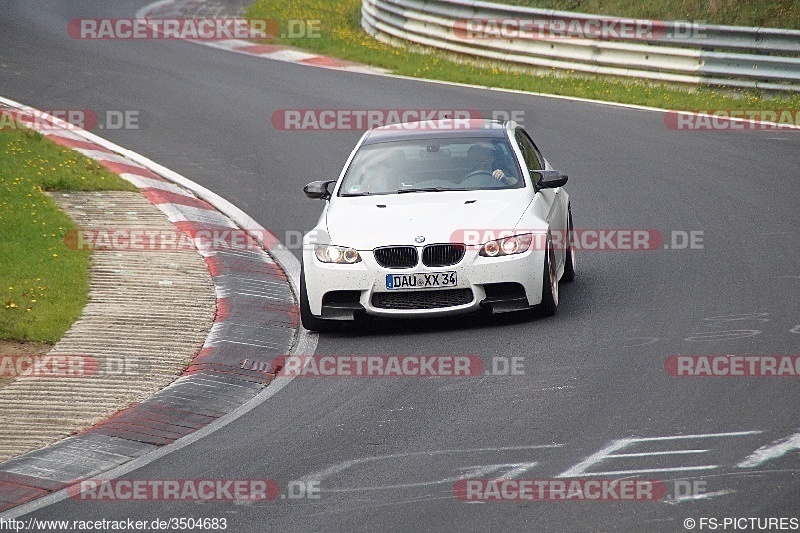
(343, 37)
(44, 284)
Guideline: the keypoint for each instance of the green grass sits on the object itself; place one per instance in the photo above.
(343, 37)
(763, 13)
(43, 284)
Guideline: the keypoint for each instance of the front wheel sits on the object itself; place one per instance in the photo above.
(310, 321)
(549, 303)
(569, 264)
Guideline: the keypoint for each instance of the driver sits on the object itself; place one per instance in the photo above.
(483, 158)
(387, 174)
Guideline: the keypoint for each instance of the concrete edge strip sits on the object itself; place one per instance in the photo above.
(287, 55)
(74, 456)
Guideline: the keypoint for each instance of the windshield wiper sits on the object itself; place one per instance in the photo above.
(431, 189)
(365, 193)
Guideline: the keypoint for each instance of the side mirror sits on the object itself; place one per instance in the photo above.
(549, 179)
(319, 190)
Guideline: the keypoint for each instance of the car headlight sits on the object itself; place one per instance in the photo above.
(327, 253)
(516, 244)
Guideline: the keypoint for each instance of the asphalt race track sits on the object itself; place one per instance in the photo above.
(386, 452)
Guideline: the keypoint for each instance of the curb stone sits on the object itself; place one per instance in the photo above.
(235, 8)
(256, 319)
(128, 338)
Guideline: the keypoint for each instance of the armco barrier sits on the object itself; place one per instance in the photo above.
(680, 52)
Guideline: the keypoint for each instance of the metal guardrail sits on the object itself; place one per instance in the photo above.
(676, 52)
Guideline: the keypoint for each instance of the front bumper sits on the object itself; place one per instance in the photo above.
(342, 291)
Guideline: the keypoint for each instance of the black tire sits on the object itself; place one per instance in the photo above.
(310, 321)
(569, 264)
(549, 304)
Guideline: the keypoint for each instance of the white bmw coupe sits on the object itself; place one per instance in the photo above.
(437, 218)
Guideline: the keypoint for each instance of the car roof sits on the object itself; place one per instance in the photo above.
(438, 129)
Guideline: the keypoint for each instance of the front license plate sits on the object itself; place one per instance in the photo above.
(432, 280)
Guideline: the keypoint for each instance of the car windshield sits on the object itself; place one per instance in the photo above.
(432, 165)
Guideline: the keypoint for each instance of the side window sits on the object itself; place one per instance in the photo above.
(529, 151)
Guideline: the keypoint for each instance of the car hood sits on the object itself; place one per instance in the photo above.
(439, 217)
